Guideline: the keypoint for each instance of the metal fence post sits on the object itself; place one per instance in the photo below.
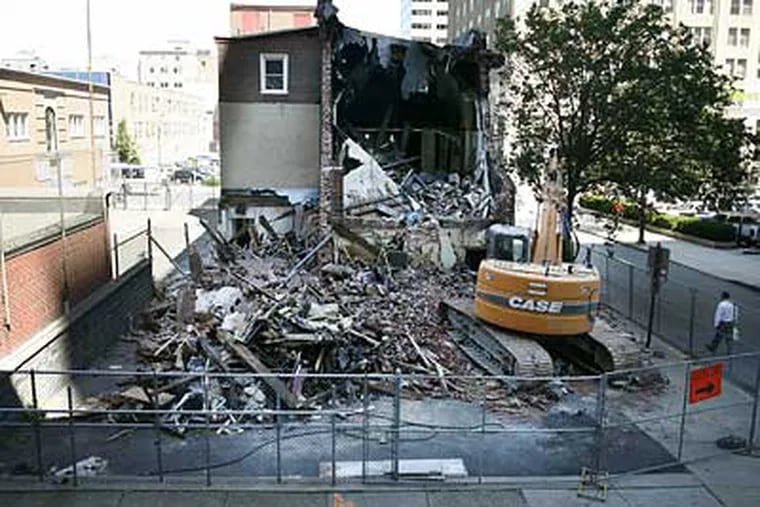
(396, 425)
(72, 440)
(692, 316)
(756, 395)
(207, 439)
(684, 407)
(630, 292)
(157, 422)
(116, 254)
(150, 242)
(187, 238)
(37, 432)
(601, 399)
(365, 429)
(332, 432)
(607, 279)
(482, 430)
(278, 432)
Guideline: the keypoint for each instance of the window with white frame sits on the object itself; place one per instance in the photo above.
(274, 74)
(76, 125)
(747, 7)
(100, 126)
(735, 6)
(17, 126)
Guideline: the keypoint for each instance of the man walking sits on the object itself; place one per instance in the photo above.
(726, 315)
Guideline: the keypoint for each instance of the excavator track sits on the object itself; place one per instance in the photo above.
(501, 352)
(496, 351)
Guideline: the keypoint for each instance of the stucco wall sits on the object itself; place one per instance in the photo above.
(269, 145)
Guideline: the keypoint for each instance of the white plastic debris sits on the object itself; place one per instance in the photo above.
(90, 467)
(222, 300)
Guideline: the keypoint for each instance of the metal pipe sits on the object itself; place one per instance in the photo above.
(278, 449)
(684, 407)
(150, 242)
(396, 426)
(692, 315)
(207, 439)
(159, 449)
(333, 447)
(482, 431)
(600, 416)
(630, 292)
(753, 424)
(37, 434)
(365, 428)
(72, 440)
(4, 274)
(116, 255)
(90, 97)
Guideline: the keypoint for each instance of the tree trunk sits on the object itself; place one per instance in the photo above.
(642, 216)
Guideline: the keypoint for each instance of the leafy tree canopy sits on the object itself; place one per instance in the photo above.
(627, 99)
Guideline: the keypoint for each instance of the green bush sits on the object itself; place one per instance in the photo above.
(598, 203)
(706, 229)
(661, 221)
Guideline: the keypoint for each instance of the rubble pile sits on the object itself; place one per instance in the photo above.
(450, 197)
(264, 314)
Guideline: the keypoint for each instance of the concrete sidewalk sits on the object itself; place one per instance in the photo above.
(644, 490)
(731, 265)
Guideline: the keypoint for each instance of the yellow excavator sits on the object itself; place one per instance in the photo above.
(530, 306)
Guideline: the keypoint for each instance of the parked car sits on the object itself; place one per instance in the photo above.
(186, 176)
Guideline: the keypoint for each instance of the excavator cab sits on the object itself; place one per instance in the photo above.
(508, 243)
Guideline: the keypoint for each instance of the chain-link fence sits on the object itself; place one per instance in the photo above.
(682, 315)
(292, 428)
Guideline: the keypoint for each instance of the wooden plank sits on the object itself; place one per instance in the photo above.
(253, 362)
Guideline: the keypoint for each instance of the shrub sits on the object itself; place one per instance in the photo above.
(706, 229)
(661, 221)
(598, 203)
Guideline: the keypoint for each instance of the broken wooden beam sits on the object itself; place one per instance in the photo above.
(255, 364)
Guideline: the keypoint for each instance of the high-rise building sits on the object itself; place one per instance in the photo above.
(179, 67)
(271, 15)
(731, 28)
(425, 20)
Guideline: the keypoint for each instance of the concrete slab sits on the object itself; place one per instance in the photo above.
(476, 498)
(172, 499)
(407, 467)
(387, 499)
(62, 499)
(671, 497)
(251, 499)
(569, 498)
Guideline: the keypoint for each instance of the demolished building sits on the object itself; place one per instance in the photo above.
(361, 131)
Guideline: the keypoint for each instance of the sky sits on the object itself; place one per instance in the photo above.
(56, 29)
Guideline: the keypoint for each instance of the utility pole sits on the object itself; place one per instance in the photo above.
(91, 91)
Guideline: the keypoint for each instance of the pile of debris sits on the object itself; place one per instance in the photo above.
(396, 189)
(314, 308)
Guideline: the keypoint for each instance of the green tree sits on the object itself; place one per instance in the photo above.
(625, 97)
(125, 145)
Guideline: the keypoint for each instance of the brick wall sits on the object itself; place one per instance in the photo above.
(35, 280)
(79, 341)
